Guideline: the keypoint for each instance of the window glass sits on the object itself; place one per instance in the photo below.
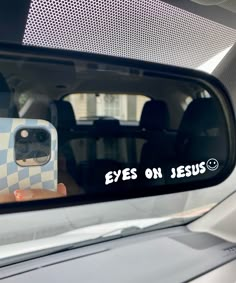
(124, 107)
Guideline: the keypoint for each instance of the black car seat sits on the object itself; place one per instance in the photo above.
(63, 118)
(89, 173)
(62, 115)
(201, 135)
(158, 148)
(105, 158)
(154, 121)
(201, 132)
(155, 116)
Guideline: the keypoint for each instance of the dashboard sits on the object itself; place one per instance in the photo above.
(168, 255)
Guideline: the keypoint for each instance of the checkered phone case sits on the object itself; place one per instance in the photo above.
(14, 176)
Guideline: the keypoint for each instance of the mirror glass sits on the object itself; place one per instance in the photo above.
(118, 129)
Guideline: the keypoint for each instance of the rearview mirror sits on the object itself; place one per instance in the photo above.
(125, 128)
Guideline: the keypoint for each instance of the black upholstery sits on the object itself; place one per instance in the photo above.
(62, 115)
(155, 115)
(201, 132)
(155, 119)
(106, 127)
(63, 118)
(202, 114)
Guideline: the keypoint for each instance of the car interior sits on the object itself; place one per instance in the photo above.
(107, 122)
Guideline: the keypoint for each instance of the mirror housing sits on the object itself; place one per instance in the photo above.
(98, 74)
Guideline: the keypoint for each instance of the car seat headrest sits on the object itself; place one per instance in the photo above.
(155, 115)
(201, 115)
(62, 114)
(200, 132)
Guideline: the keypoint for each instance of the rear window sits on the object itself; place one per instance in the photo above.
(90, 106)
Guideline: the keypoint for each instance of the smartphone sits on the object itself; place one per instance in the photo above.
(28, 155)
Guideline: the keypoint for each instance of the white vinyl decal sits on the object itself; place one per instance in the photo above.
(182, 171)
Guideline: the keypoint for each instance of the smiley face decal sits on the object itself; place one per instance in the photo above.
(212, 164)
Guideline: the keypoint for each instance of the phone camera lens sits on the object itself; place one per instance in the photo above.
(41, 157)
(24, 134)
(42, 136)
(22, 147)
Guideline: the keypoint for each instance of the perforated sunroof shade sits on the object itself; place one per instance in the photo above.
(143, 29)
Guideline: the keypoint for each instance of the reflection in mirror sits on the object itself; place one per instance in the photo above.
(117, 130)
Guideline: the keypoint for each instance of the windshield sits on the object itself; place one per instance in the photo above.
(80, 105)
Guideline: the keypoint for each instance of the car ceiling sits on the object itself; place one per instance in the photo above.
(180, 33)
(72, 77)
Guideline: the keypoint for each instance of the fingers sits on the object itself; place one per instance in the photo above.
(35, 194)
(23, 195)
(4, 198)
(61, 189)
